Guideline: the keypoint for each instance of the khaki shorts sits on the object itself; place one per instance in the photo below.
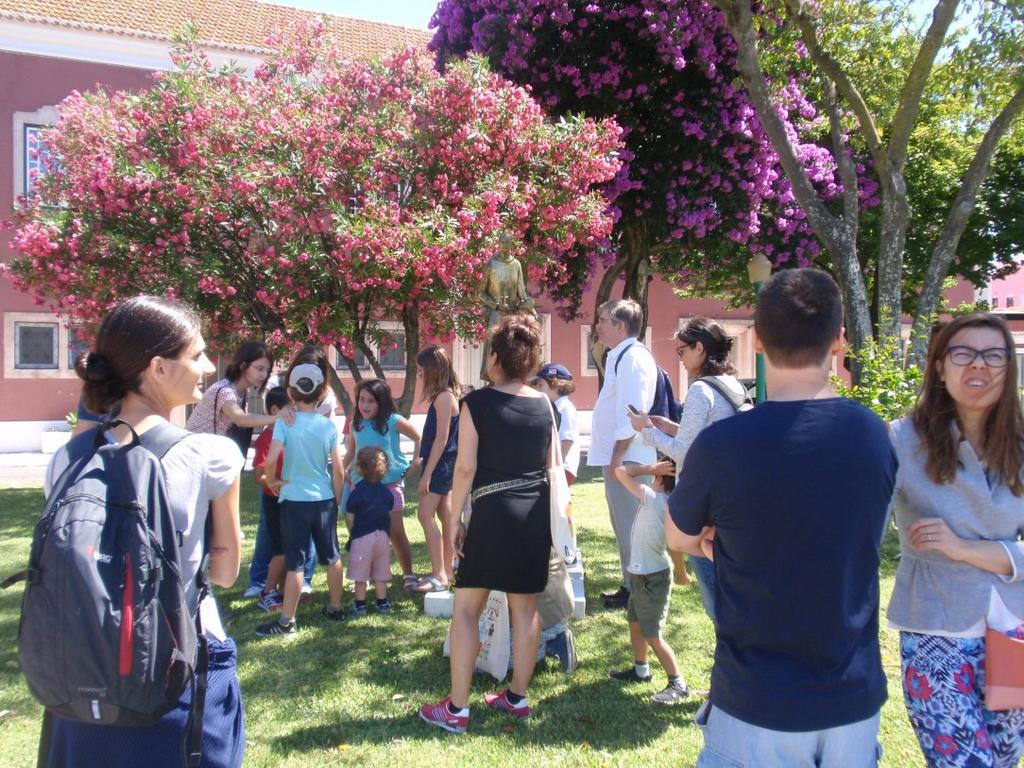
(648, 600)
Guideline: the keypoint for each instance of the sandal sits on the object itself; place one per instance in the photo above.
(410, 581)
(430, 584)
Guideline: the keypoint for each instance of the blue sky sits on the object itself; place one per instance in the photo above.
(408, 13)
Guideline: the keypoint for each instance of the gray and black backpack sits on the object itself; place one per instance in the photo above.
(106, 634)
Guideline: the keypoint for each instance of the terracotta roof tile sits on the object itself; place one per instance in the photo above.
(236, 24)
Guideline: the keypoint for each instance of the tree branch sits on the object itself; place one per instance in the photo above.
(832, 69)
(910, 99)
(847, 170)
(740, 21)
(956, 221)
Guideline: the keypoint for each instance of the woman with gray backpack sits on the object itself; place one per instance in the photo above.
(714, 394)
(178, 533)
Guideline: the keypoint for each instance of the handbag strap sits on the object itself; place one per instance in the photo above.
(216, 398)
(555, 451)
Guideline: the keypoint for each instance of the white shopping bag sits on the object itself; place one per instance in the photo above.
(495, 640)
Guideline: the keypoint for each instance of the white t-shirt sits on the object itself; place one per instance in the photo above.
(568, 430)
(199, 469)
(647, 553)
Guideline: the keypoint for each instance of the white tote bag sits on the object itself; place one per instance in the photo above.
(563, 533)
(495, 637)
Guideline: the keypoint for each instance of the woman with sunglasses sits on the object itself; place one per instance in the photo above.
(959, 507)
(714, 394)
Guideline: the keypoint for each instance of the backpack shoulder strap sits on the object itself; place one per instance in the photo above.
(161, 438)
(716, 384)
(623, 353)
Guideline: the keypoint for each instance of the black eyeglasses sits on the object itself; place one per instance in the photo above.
(994, 357)
(682, 346)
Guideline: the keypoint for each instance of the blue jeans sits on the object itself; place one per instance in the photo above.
(263, 551)
(704, 570)
(732, 743)
(159, 746)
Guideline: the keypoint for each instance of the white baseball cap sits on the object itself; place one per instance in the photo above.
(306, 378)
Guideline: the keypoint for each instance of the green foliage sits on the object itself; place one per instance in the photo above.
(886, 387)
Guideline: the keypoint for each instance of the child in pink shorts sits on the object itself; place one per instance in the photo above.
(368, 517)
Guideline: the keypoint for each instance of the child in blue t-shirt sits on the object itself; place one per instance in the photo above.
(312, 478)
(368, 517)
(376, 422)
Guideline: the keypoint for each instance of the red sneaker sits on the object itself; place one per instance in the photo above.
(439, 715)
(500, 701)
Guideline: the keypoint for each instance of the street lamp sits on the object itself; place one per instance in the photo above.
(759, 269)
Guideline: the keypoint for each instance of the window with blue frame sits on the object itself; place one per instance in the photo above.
(37, 156)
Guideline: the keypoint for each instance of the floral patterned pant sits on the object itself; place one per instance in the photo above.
(944, 690)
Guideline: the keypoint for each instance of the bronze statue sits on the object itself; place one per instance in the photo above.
(503, 293)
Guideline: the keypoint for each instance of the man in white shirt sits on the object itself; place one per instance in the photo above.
(630, 378)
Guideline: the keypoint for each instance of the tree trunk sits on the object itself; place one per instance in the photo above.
(411, 324)
(604, 292)
(334, 382)
(634, 264)
(892, 241)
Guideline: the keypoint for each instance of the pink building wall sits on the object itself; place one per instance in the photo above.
(28, 84)
(1000, 293)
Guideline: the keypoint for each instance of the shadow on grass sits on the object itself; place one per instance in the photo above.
(602, 714)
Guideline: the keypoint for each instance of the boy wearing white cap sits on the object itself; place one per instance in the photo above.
(312, 479)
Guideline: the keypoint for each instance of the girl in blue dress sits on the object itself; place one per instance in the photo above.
(437, 452)
(376, 422)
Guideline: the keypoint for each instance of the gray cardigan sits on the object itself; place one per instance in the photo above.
(933, 592)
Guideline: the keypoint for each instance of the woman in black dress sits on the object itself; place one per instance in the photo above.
(505, 436)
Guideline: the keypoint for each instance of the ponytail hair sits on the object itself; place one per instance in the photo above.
(516, 344)
(716, 342)
(130, 336)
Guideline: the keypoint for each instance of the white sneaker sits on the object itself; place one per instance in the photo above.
(253, 591)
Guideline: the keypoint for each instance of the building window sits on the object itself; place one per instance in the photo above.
(30, 154)
(35, 346)
(77, 346)
(587, 364)
(995, 302)
(342, 365)
(1009, 302)
(39, 345)
(36, 155)
(390, 351)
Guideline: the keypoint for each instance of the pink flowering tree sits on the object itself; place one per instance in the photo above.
(700, 189)
(311, 202)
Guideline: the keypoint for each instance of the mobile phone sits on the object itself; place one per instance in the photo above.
(632, 409)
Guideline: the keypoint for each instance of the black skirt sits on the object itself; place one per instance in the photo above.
(508, 542)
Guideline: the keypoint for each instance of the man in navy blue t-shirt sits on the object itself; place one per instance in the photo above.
(791, 500)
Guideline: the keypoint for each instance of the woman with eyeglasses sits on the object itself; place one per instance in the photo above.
(714, 394)
(959, 508)
(222, 411)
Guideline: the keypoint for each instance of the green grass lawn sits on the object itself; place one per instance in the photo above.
(348, 694)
